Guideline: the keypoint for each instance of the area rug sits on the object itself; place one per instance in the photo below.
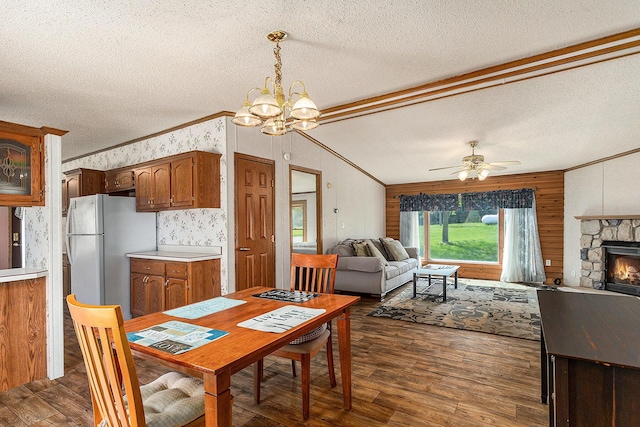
(477, 305)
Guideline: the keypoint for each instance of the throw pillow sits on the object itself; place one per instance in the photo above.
(395, 249)
(361, 249)
(376, 253)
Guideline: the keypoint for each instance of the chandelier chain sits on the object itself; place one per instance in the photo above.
(278, 64)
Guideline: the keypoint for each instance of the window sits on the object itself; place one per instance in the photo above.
(471, 236)
(299, 221)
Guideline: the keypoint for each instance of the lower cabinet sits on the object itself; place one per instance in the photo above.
(164, 285)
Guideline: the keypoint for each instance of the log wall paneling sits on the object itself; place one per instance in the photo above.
(549, 193)
(23, 355)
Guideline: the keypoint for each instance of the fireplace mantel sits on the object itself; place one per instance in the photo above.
(589, 217)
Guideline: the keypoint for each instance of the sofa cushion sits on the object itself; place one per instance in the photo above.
(391, 271)
(394, 249)
(403, 266)
(376, 253)
(361, 249)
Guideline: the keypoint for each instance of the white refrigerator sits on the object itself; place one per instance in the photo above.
(101, 229)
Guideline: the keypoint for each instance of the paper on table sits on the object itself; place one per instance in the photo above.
(282, 319)
(203, 308)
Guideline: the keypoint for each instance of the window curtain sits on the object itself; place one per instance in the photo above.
(522, 257)
(410, 229)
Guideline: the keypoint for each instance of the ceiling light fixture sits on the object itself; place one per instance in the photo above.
(474, 165)
(276, 114)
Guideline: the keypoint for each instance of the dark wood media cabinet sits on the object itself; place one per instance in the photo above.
(590, 358)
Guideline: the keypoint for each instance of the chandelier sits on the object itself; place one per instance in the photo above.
(276, 114)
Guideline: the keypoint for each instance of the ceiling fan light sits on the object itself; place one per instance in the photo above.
(244, 118)
(304, 108)
(304, 124)
(463, 174)
(482, 174)
(265, 105)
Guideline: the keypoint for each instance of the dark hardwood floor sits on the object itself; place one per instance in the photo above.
(404, 374)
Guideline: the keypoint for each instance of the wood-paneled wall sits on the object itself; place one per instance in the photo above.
(549, 195)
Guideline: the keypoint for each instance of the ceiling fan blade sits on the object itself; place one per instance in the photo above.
(491, 167)
(507, 163)
(460, 170)
(447, 167)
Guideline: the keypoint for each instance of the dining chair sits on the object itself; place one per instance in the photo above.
(309, 273)
(172, 400)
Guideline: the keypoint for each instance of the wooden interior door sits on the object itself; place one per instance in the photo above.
(255, 222)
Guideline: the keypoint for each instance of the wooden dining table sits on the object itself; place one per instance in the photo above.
(218, 360)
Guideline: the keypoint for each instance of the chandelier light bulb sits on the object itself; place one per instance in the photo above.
(244, 118)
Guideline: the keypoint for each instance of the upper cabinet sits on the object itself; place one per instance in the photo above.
(188, 180)
(21, 168)
(119, 180)
(81, 182)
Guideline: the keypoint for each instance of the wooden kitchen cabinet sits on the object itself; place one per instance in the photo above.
(188, 180)
(164, 285)
(81, 182)
(153, 187)
(119, 180)
(22, 159)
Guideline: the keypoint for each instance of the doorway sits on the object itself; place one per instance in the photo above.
(11, 241)
(305, 201)
(254, 222)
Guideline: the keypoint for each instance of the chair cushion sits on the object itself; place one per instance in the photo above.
(172, 400)
(311, 335)
(309, 346)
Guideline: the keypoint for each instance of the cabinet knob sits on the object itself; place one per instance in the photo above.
(245, 249)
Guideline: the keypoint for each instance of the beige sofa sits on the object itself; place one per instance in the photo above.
(367, 274)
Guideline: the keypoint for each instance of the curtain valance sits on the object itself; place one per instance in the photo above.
(430, 202)
(500, 199)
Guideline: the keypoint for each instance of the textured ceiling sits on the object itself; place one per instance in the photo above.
(113, 71)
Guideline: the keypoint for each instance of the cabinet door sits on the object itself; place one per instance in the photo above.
(111, 182)
(143, 189)
(72, 185)
(22, 159)
(182, 183)
(177, 293)
(156, 293)
(126, 180)
(138, 294)
(65, 198)
(161, 187)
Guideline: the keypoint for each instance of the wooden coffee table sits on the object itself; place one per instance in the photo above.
(428, 270)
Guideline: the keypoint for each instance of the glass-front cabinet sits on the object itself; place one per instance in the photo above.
(21, 166)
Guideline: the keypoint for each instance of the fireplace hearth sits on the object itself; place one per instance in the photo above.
(622, 266)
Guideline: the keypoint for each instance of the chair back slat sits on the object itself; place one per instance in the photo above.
(313, 273)
(109, 363)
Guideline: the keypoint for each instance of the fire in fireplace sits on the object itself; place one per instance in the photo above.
(622, 267)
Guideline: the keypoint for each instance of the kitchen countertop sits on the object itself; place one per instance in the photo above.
(15, 274)
(174, 256)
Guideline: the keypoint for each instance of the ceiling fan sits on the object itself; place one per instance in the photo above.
(475, 164)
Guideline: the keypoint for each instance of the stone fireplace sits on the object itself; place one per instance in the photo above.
(610, 254)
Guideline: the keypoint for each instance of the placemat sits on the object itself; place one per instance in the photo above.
(175, 337)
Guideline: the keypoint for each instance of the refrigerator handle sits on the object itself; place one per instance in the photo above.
(68, 241)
